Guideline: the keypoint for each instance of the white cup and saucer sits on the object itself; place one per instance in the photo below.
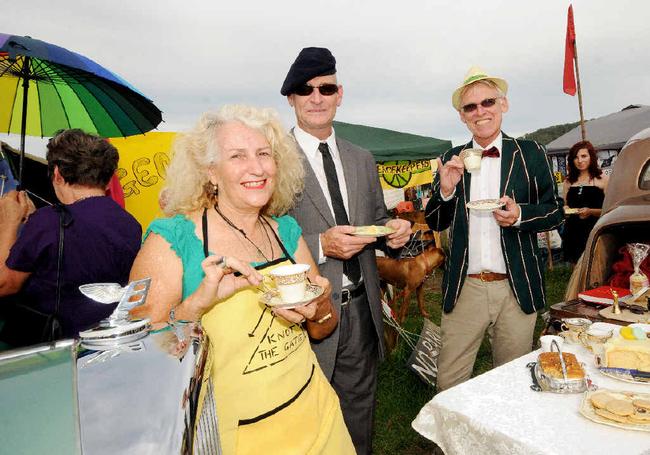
(291, 287)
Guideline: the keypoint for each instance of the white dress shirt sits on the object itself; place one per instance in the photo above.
(309, 145)
(485, 252)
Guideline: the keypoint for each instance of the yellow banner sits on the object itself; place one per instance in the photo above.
(142, 170)
(144, 159)
(405, 174)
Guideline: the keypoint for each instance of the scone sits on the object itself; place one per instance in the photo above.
(620, 407)
(600, 399)
(611, 416)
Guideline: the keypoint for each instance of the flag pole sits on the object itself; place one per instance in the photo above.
(582, 116)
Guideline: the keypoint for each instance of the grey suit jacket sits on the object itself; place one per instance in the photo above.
(366, 207)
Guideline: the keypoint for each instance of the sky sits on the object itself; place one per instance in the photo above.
(398, 61)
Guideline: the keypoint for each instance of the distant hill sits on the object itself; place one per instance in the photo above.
(550, 133)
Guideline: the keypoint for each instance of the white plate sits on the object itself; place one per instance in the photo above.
(485, 205)
(615, 328)
(272, 298)
(372, 231)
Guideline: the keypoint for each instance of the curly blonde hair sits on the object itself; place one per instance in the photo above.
(188, 186)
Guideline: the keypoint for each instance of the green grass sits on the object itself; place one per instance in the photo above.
(401, 393)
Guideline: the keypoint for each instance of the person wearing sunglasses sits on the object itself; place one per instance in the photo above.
(342, 190)
(494, 278)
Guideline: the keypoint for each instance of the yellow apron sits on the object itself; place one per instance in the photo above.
(271, 395)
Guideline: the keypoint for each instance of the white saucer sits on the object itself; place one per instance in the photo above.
(485, 205)
(272, 298)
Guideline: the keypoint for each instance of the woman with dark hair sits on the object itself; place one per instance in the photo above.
(584, 192)
(100, 241)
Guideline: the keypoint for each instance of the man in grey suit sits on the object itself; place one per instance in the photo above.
(494, 279)
(342, 191)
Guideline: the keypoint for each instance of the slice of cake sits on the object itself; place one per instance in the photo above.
(628, 354)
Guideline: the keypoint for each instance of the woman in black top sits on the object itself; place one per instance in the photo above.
(584, 192)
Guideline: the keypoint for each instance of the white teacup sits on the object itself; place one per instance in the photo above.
(575, 325)
(472, 159)
(595, 336)
(547, 340)
(291, 281)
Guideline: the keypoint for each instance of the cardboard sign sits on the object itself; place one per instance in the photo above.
(142, 171)
(424, 359)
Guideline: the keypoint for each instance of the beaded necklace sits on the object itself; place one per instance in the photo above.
(243, 233)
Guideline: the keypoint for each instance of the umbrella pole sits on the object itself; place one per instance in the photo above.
(23, 126)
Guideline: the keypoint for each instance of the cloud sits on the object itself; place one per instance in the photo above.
(398, 61)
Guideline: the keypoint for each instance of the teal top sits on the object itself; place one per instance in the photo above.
(179, 232)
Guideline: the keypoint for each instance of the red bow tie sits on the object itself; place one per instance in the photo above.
(492, 152)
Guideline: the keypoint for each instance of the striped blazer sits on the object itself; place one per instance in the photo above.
(527, 178)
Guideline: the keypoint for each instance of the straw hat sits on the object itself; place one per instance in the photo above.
(475, 74)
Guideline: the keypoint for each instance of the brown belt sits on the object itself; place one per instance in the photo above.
(488, 276)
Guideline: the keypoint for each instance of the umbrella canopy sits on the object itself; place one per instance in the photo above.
(45, 88)
(388, 145)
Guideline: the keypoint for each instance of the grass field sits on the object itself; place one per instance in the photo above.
(401, 393)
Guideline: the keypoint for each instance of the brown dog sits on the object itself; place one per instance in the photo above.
(409, 275)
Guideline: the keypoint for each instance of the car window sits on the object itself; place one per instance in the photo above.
(644, 180)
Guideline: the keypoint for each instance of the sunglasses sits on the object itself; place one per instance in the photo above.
(471, 107)
(324, 89)
(636, 309)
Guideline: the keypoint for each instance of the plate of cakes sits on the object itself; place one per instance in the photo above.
(629, 410)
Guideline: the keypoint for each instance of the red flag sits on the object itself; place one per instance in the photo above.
(569, 55)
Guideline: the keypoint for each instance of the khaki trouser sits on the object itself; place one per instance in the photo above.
(482, 306)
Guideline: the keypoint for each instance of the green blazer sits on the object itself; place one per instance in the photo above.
(527, 178)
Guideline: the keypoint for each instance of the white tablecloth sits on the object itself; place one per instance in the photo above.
(498, 413)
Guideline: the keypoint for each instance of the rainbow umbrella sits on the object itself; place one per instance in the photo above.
(45, 88)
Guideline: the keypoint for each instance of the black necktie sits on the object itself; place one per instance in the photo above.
(350, 267)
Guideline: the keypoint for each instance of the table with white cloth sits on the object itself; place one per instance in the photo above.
(498, 413)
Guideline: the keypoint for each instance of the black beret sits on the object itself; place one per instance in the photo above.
(310, 63)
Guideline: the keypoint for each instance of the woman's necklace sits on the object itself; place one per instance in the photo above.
(243, 234)
(581, 184)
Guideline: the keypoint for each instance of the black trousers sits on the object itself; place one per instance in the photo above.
(355, 371)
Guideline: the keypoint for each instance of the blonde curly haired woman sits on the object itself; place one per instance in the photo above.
(229, 184)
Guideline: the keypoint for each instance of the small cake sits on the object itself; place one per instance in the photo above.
(628, 354)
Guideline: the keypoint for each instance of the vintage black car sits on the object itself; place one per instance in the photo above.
(625, 219)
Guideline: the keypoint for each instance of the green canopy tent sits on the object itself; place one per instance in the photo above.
(389, 145)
